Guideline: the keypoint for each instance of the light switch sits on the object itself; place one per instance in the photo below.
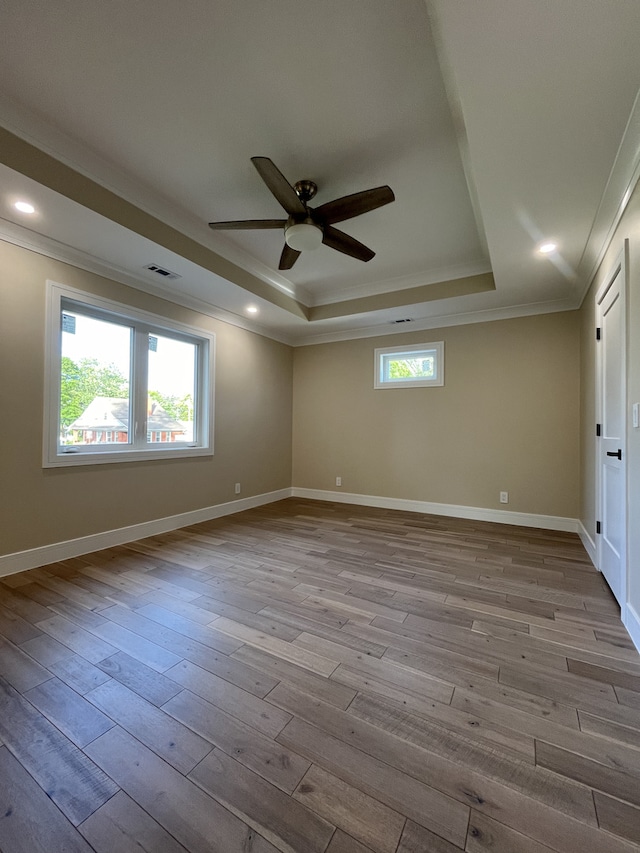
(636, 415)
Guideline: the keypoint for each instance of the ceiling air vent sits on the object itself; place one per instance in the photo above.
(162, 271)
(407, 320)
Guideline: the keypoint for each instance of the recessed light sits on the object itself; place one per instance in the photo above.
(252, 309)
(24, 207)
(547, 248)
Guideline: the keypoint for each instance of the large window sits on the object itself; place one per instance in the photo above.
(411, 366)
(123, 384)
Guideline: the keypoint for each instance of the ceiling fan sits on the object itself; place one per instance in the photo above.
(307, 227)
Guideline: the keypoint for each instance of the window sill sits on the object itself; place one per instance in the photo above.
(66, 460)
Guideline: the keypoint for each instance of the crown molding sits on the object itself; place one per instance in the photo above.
(616, 195)
(35, 242)
(439, 321)
(405, 299)
(406, 282)
(68, 151)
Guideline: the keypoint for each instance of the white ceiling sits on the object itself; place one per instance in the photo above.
(496, 123)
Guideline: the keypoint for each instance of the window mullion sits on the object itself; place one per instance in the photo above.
(139, 392)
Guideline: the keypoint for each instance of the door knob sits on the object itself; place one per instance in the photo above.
(616, 453)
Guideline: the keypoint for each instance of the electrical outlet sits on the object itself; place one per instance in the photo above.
(338, 481)
(237, 488)
(504, 497)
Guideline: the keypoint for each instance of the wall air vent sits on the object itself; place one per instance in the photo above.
(408, 320)
(165, 273)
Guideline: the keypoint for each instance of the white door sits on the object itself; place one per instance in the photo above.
(611, 444)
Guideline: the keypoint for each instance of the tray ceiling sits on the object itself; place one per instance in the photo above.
(497, 124)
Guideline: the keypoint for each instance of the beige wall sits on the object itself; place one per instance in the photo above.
(507, 418)
(42, 506)
(629, 228)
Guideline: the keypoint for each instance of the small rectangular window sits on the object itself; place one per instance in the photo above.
(122, 384)
(413, 366)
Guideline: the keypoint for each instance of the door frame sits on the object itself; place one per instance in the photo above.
(619, 266)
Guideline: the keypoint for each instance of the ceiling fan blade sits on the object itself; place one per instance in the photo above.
(279, 186)
(346, 244)
(353, 205)
(288, 258)
(246, 224)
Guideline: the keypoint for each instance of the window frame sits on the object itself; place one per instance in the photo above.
(435, 348)
(61, 297)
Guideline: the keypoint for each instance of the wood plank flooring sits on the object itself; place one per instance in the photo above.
(310, 677)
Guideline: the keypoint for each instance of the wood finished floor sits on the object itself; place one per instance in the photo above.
(310, 677)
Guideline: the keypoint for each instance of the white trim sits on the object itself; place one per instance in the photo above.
(49, 248)
(589, 543)
(17, 235)
(20, 121)
(621, 182)
(434, 349)
(405, 282)
(631, 622)
(620, 268)
(21, 561)
(34, 557)
(622, 179)
(433, 321)
(476, 513)
(138, 450)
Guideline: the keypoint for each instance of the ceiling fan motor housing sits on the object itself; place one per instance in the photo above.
(305, 190)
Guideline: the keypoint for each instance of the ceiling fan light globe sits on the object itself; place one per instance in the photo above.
(303, 236)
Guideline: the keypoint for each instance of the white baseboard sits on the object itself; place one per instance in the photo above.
(589, 544)
(631, 622)
(34, 557)
(500, 516)
(628, 615)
